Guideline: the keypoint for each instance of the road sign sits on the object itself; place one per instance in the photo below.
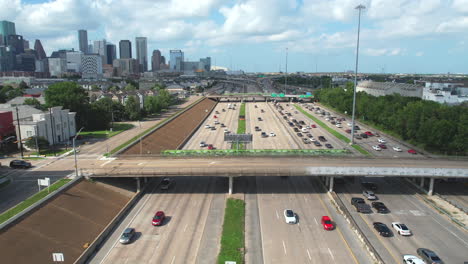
(238, 137)
(281, 95)
(58, 257)
(274, 95)
(308, 93)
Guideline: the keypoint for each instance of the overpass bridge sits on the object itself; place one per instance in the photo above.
(326, 168)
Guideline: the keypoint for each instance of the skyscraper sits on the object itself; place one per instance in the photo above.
(7, 28)
(111, 53)
(156, 61)
(176, 60)
(100, 48)
(125, 49)
(39, 50)
(142, 53)
(83, 40)
(16, 43)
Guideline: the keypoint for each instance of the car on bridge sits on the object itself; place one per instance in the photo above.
(410, 259)
(382, 146)
(376, 148)
(368, 133)
(290, 216)
(158, 218)
(381, 140)
(412, 151)
(370, 195)
(202, 144)
(329, 146)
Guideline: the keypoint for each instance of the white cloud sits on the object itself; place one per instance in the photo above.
(454, 25)
(419, 54)
(383, 52)
(460, 6)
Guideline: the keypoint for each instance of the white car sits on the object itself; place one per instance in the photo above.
(216, 122)
(290, 216)
(272, 134)
(401, 229)
(207, 126)
(338, 125)
(226, 130)
(381, 140)
(370, 195)
(410, 259)
(376, 148)
(396, 148)
(203, 144)
(349, 124)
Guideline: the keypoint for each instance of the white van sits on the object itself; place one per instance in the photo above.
(304, 129)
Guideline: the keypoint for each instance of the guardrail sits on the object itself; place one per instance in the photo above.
(255, 152)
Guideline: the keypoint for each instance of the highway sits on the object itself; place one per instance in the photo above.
(430, 229)
(194, 208)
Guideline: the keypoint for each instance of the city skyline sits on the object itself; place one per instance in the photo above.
(403, 36)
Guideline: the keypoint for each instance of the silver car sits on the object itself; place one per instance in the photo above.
(127, 235)
(370, 195)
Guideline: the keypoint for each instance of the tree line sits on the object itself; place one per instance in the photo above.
(435, 127)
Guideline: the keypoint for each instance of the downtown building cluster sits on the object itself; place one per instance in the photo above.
(96, 60)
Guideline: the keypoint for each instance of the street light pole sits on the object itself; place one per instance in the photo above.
(359, 7)
(286, 72)
(74, 150)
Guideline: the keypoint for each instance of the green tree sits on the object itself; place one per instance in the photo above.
(33, 102)
(130, 87)
(95, 88)
(132, 108)
(71, 96)
(22, 85)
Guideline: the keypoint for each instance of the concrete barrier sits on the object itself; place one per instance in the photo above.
(38, 204)
(84, 257)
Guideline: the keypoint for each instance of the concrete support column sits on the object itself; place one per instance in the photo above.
(327, 181)
(431, 186)
(330, 189)
(231, 181)
(138, 184)
(421, 183)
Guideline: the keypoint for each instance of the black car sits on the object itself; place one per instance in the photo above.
(380, 207)
(382, 229)
(429, 256)
(369, 185)
(328, 146)
(259, 119)
(264, 134)
(257, 128)
(296, 129)
(357, 128)
(322, 138)
(20, 164)
(309, 135)
(316, 143)
(291, 124)
(299, 134)
(364, 135)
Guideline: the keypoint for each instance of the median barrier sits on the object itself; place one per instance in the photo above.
(256, 152)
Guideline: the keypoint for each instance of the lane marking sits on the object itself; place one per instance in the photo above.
(331, 254)
(277, 215)
(308, 253)
(185, 228)
(315, 219)
(284, 247)
(173, 259)
(105, 163)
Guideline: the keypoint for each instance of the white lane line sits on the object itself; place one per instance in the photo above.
(308, 254)
(277, 215)
(141, 163)
(185, 228)
(105, 163)
(305, 198)
(331, 254)
(173, 259)
(315, 219)
(284, 247)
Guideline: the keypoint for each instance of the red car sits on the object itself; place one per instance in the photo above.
(382, 146)
(348, 131)
(210, 146)
(368, 133)
(215, 117)
(158, 218)
(412, 151)
(314, 126)
(327, 223)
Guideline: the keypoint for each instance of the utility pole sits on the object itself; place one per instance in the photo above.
(74, 151)
(286, 72)
(359, 7)
(19, 133)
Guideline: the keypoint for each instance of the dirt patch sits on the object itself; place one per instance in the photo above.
(63, 225)
(171, 135)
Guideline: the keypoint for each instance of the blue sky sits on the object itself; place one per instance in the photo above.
(397, 36)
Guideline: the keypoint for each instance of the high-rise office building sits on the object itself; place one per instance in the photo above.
(7, 59)
(163, 60)
(57, 66)
(74, 61)
(176, 60)
(7, 28)
(90, 48)
(125, 49)
(83, 40)
(91, 66)
(142, 53)
(205, 64)
(26, 62)
(16, 43)
(39, 50)
(25, 44)
(156, 61)
(111, 53)
(100, 48)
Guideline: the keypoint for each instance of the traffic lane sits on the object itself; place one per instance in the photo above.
(305, 242)
(423, 221)
(203, 134)
(188, 200)
(279, 128)
(315, 132)
(370, 141)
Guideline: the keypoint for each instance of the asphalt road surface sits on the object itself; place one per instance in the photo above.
(191, 233)
(430, 229)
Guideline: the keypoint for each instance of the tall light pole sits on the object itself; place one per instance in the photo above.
(74, 150)
(286, 72)
(359, 7)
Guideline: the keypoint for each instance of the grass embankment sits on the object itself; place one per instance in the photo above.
(332, 131)
(163, 122)
(51, 152)
(118, 128)
(32, 200)
(240, 127)
(232, 239)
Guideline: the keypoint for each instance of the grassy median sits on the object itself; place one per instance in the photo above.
(232, 239)
(118, 128)
(31, 200)
(332, 131)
